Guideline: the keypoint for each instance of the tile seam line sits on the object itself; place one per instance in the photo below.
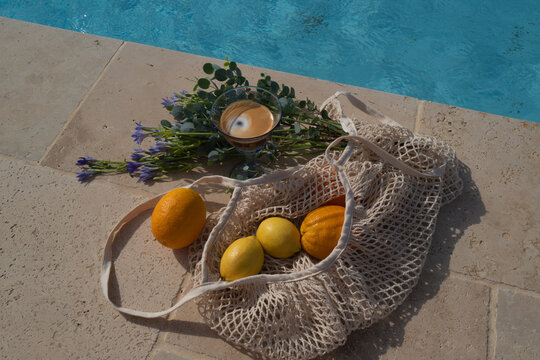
(419, 115)
(491, 283)
(492, 323)
(181, 352)
(83, 100)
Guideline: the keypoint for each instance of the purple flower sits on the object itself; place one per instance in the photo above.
(147, 173)
(85, 160)
(167, 102)
(138, 135)
(159, 147)
(83, 176)
(137, 154)
(133, 166)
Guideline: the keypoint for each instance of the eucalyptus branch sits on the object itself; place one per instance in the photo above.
(192, 140)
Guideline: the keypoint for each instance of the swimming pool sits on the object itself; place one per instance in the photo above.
(478, 54)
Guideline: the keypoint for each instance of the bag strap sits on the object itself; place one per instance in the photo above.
(384, 155)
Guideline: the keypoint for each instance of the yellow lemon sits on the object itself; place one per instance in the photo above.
(279, 237)
(244, 257)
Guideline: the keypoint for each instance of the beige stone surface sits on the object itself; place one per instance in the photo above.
(443, 318)
(491, 231)
(45, 73)
(131, 90)
(517, 326)
(166, 355)
(52, 232)
(187, 330)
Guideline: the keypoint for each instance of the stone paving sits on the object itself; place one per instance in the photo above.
(65, 94)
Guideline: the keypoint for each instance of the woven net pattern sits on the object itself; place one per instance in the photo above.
(393, 223)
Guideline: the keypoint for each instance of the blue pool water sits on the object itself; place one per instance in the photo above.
(478, 54)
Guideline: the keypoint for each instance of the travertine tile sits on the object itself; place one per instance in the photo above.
(441, 319)
(52, 233)
(517, 326)
(167, 355)
(131, 91)
(491, 231)
(45, 73)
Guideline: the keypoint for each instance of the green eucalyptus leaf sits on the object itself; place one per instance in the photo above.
(324, 114)
(177, 112)
(220, 74)
(213, 155)
(166, 124)
(292, 94)
(230, 74)
(284, 91)
(297, 128)
(208, 68)
(274, 86)
(238, 72)
(302, 104)
(187, 127)
(232, 65)
(198, 107)
(240, 80)
(231, 81)
(202, 94)
(203, 83)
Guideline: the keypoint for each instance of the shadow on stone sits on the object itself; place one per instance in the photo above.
(453, 219)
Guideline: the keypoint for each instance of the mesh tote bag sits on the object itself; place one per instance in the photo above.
(394, 183)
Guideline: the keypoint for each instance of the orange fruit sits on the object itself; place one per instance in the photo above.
(333, 185)
(178, 218)
(340, 200)
(321, 230)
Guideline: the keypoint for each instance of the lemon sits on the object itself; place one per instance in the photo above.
(279, 237)
(244, 257)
